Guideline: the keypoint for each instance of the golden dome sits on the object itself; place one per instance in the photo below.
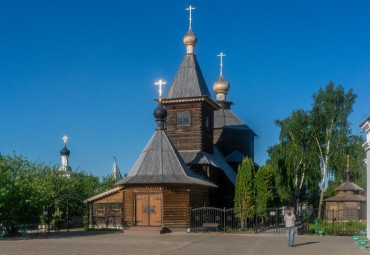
(221, 85)
(190, 38)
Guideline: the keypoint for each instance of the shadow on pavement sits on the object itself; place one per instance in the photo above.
(58, 235)
(301, 244)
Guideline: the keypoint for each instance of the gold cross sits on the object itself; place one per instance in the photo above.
(190, 9)
(65, 138)
(160, 83)
(221, 55)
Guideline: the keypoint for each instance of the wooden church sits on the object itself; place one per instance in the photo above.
(191, 160)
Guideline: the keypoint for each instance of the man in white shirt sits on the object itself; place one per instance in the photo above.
(289, 220)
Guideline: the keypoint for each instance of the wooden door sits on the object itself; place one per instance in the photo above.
(142, 216)
(155, 216)
(148, 210)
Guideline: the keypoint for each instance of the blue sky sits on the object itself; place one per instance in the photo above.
(86, 68)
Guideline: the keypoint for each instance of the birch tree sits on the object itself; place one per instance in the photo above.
(329, 127)
(293, 159)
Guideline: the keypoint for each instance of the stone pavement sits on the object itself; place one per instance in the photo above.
(177, 243)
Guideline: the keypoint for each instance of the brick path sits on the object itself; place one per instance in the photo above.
(177, 243)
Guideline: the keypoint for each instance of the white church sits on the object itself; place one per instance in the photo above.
(366, 128)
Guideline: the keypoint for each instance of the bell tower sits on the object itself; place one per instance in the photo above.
(189, 104)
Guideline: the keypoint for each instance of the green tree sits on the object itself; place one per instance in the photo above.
(293, 159)
(264, 183)
(107, 183)
(329, 128)
(29, 188)
(244, 201)
(20, 197)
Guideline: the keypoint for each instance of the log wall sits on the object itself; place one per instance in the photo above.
(196, 136)
(176, 207)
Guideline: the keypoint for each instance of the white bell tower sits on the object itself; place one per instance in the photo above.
(366, 128)
(64, 154)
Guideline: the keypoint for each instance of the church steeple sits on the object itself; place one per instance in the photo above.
(189, 122)
(221, 86)
(116, 174)
(64, 154)
(189, 80)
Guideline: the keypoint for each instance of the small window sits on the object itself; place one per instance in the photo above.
(207, 121)
(114, 209)
(183, 119)
(98, 209)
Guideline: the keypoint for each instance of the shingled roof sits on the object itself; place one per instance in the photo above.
(103, 194)
(350, 186)
(224, 118)
(189, 81)
(204, 158)
(346, 198)
(160, 163)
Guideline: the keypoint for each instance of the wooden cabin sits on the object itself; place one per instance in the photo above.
(348, 204)
(106, 209)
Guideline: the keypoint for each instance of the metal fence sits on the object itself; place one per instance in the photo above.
(211, 218)
(346, 222)
(272, 221)
(35, 229)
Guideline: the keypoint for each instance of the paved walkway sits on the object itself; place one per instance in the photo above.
(177, 243)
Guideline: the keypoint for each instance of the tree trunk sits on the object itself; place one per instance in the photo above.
(323, 180)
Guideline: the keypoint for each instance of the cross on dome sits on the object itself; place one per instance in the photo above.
(160, 83)
(221, 55)
(347, 160)
(190, 9)
(65, 138)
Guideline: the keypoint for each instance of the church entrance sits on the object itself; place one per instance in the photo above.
(148, 210)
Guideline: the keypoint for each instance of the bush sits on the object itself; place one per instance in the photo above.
(340, 228)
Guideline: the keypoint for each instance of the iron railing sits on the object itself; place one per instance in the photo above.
(335, 222)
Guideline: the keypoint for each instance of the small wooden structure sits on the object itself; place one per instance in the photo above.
(349, 203)
(105, 209)
(158, 192)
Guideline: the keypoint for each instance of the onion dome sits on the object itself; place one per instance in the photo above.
(160, 112)
(190, 38)
(221, 85)
(65, 151)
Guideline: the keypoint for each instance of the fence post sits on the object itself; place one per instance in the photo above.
(276, 220)
(224, 212)
(332, 224)
(189, 228)
(256, 219)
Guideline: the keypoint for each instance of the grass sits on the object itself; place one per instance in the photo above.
(341, 228)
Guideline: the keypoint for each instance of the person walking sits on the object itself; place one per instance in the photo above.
(289, 220)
